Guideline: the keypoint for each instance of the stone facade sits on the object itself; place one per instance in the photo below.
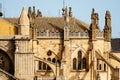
(61, 48)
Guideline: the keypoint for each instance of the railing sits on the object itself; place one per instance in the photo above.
(50, 34)
(99, 34)
(60, 34)
(79, 34)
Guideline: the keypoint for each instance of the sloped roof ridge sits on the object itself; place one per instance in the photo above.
(82, 23)
(6, 21)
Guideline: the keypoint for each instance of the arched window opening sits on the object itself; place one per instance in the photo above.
(79, 65)
(79, 60)
(100, 67)
(40, 65)
(74, 63)
(44, 65)
(48, 67)
(79, 55)
(104, 67)
(84, 63)
(54, 60)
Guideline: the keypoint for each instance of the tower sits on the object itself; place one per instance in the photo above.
(23, 23)
(107, 28)
(24, 57)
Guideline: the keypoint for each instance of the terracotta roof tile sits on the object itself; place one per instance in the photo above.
(55, 23)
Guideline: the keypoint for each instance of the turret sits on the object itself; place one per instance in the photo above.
(23, 23)
(94, 28)
(107, 28)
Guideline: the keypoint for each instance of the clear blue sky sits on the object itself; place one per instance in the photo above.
(81, 9)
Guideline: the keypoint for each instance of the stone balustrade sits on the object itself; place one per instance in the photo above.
(50, 34)
(100, 34)
(79, 34)
(58, 34)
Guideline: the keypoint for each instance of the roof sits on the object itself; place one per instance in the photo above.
(23, 20)
(13, 21)
(55, 23)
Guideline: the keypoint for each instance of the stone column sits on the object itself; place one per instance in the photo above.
(57, 71)
(94, 71)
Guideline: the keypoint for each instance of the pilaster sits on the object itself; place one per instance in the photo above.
(24, 58)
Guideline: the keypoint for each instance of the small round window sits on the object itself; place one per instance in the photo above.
(49, 53)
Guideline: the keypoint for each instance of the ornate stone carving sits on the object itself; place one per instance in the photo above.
(107, 28)
(94, 25)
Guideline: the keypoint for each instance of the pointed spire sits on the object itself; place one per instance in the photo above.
(23, 28)
(23, 20)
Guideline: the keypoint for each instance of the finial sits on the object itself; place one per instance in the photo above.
(23, 17)
(66, 16)
(63, 9)
(70, 11)
(29, 12)
(93, 10)
(34, 13)
(108, 14)
(39, 14)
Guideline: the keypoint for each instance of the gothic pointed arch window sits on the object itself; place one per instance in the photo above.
(104, 67)
(54, 60)
(84, 63)
(40, 65)
(74, 63)
(100, 67)
(79, 59)
(48, 67)
(44, 65)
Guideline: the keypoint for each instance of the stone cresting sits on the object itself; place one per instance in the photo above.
(57, 34)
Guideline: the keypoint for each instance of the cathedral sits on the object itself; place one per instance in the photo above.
(35, 47)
